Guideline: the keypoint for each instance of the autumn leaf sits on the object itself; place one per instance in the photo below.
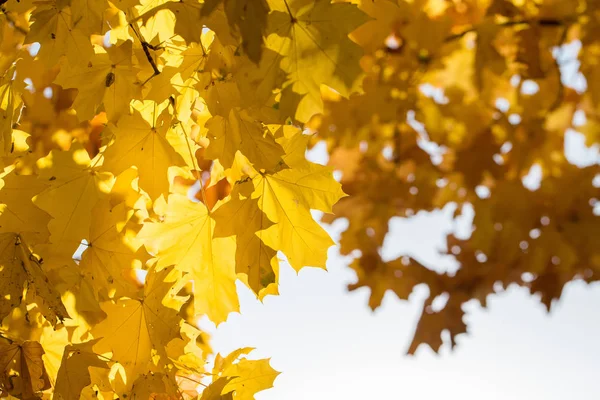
(74, 374)
(56, 27)
(154, 153)
(154, 386)
(10, 105)
(19, 268)
(137, 328)
(12, 274)
(253, 257)
(236, 377)
(314, 51)
(17, 211)
(185, 239)
(239, 132)
(249, 18)
(148, 143)
(108, 79)
(112, 254)
(286, 198)
(22, 370)
(187, 16)
(215, 391)
(69, 172)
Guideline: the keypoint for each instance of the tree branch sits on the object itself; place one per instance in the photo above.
(10, 19)
(546, 22)
(145, 47)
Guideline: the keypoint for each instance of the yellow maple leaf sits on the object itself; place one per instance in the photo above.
(57, 31)
(214, 391)
(242, 377)
(137, 329)
(18, 265)
(250, 377)
(22, 372)
(239, 132)
(74, 373)
(80, 297)
(12, 275)
(147, 142)
(185, 239)
(258, 84)
(286, 198)
(155, 386)
(249, 17)
(189, 20)
(312, 39)
(17, 211)
(54, 342)
(111, 254)
(89, 15)
(188, 353)
(108, 78)
(76, 184)
(10, 107)
(253, 257)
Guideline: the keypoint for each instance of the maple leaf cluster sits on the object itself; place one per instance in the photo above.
(152, 154)
(465, 103)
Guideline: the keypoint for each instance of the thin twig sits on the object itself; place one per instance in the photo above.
(547, 22)
(145, 47)
(10, 19)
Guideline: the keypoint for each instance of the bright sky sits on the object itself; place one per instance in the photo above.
(329, 345)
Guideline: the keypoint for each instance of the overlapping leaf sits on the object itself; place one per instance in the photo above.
(185, 239)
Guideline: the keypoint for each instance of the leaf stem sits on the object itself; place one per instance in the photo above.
(292, 18)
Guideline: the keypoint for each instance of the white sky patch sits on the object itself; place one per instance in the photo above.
(205, 324)
(29, 84)
(318, 154)
(392, 42)
(514, 349)
(140, 276)
(82, 247)
(533, 179)
(577, 152)
(106, 40)
(506, 147)
(48, 92)
(483, 192)
(440, 302)
(193, 191)
(434, 150)
(337, 175)
(566, 57)
(529, 87)
(502, 104)
(515, 80)
(579, 118)
(514, 119)
(433, 92)
(34, 49)
(388, 153)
